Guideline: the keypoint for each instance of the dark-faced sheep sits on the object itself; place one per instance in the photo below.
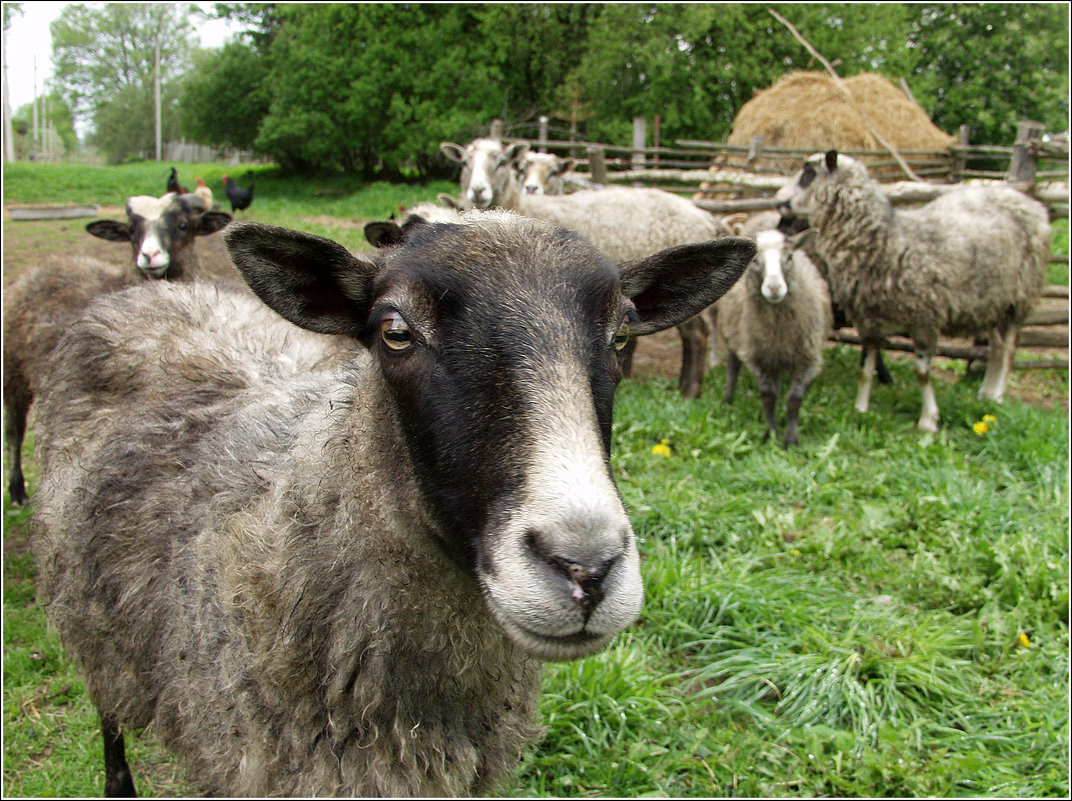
(342, 581)
(776, 320)
(972, 261)
(43, 302)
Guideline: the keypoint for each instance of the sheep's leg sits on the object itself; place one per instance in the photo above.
(14, 433)
(118, 783)
(733, 370)
(999, 361)
(768, 394)
(693, 355)
(928, 417)
(882, 372)
(627, 357)
(793, 400)
(714, 355)
(867, 372)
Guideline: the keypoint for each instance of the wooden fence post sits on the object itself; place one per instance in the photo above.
(961, 161)
(597, 165)
(496, 129)
(541, 140)
(1024, 164)
(755, 149)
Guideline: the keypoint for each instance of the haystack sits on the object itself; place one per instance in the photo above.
(807, 110)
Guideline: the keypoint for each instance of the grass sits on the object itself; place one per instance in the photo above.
(878, 612)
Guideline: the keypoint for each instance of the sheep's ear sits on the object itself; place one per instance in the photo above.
(675, 284)
(449, 201)
(112, 230)
(831, 161)
(515, 152)
(452, 151)
(801, 238)
(210, 222)
(566, 165)
(313, 282)
(383, 233)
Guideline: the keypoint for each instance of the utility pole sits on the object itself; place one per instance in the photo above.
(9, 134)
(33, 133)
(156, 89)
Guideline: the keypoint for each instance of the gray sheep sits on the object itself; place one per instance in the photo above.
(973, 260)
(43, 302)
(776, 320)
(317, 578)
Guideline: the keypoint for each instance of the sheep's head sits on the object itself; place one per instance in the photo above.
(488, 168)
(161, 231)
(797, 197)
(497, 344)
(541, 173)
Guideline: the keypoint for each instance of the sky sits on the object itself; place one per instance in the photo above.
(29, 37)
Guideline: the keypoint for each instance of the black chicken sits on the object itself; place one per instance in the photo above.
(240, 198)
(173, 184)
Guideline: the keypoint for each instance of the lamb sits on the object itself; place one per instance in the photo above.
(42, 303)
(318, 580)
(383, 233)
(633, 222)
(973, 260)
(790, 226)
(776, 319)
(489, 176)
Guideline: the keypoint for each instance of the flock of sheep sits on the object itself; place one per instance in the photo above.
(318, 517)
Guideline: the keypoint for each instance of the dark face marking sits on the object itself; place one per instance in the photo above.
(489, 357)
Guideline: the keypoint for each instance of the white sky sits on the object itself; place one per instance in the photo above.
(29, 37)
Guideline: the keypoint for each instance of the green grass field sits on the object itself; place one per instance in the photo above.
(879, 612)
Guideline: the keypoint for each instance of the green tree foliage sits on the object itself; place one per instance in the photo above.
(51, 109)
(989, 65)
(105, 65)
(225, 97)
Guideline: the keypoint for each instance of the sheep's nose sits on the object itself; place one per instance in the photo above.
(531, 189)
(584, 568)
(585, 581)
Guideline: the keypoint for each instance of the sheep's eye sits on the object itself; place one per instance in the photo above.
(395, 333)
(621, 336)
(808, 176)
(183, 226)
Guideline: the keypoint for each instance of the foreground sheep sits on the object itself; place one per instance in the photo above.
(341, 581)
(631, 223)
(973, 260)
(43, 302)
(776, 320)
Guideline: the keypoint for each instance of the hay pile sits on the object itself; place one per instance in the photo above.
(807, 110)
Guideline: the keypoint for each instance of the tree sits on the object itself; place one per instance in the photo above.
(990, 65)
(105, 68)
(225, 97)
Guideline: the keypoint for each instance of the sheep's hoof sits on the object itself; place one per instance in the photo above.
(18, 494)
(928, 426)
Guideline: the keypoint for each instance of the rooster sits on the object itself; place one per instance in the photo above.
(240, 198)
(173, 184)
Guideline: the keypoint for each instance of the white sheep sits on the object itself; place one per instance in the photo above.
(973, 260)
(548, 174)
(318, 580)
(489, 172)
(776, 320)
(631, 223)
(43, 302)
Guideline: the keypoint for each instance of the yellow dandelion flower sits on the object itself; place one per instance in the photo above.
(795, 552)
(989, 418)
(662, 449)
(1023, 641)
(980, 428)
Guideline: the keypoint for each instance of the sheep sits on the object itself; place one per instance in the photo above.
(342, 580)
(548, 174)
(776, 319)
(970, 261)
(383, 233)
(489, 177)
(790, 226)
(44, 301)
(162, 232)
(632, 222)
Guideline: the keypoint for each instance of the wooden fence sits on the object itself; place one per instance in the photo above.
(727, 179)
